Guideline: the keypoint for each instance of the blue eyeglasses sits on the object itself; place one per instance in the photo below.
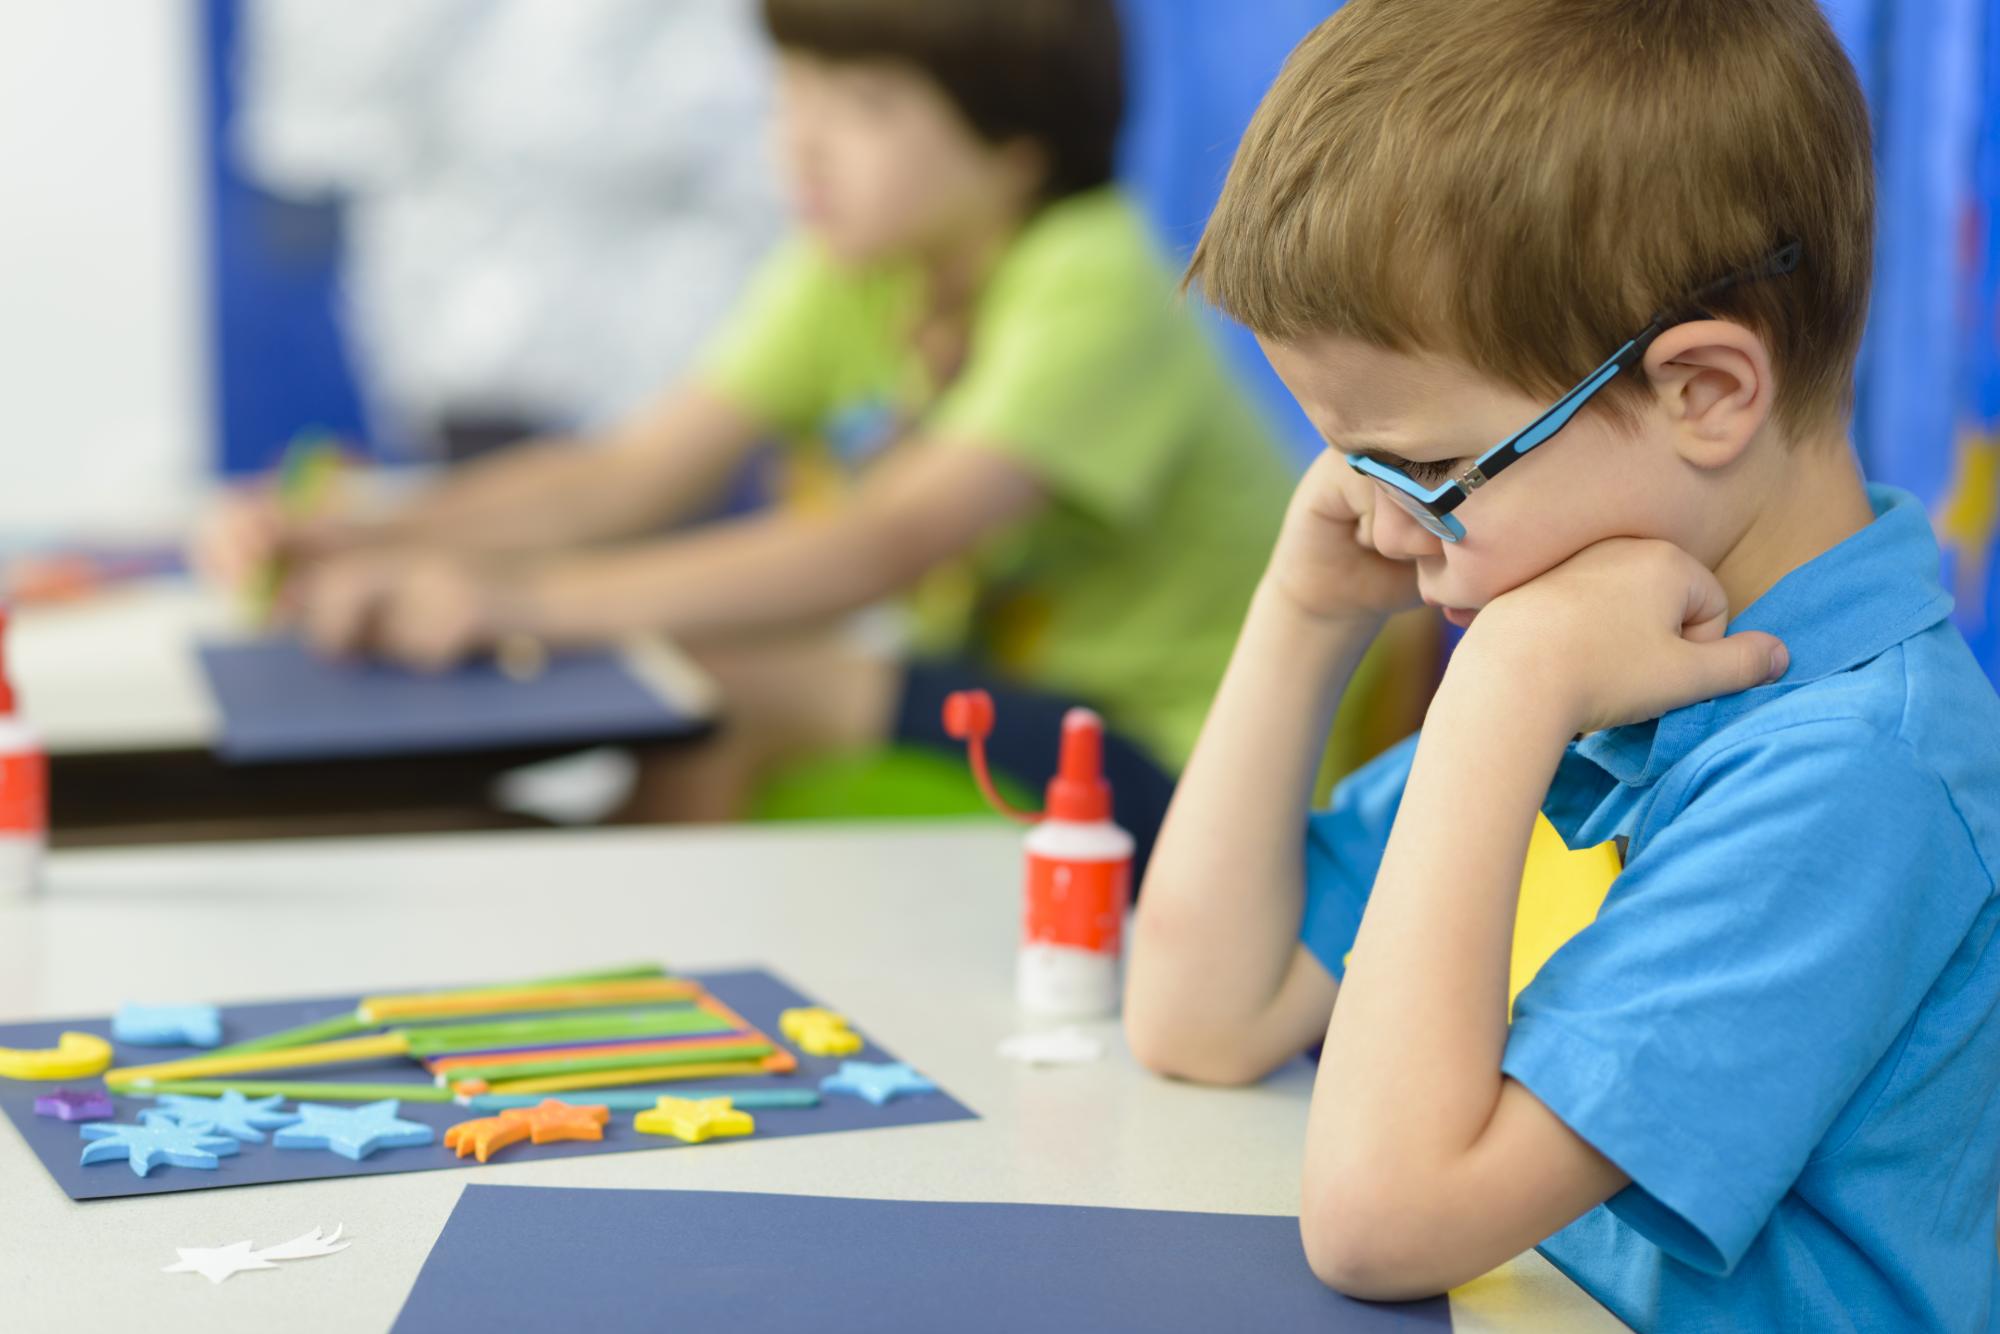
(1432, 506)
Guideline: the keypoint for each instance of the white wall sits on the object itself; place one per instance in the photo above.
(103, 404)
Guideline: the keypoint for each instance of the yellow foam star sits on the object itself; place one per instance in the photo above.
(819, 1032)
(694, 1120)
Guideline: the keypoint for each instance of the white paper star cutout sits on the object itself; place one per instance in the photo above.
(1063, 1046)
(215, 1263)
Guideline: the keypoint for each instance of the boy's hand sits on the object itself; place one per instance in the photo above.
(1322, 563)
(247, 529)
(422, 609)
(1627, 629)
(239, 536)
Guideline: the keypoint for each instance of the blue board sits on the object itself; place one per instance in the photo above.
(610, 1261)
(756, 995)
(279, 702)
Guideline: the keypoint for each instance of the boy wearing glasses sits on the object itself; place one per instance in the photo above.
(1668, 944)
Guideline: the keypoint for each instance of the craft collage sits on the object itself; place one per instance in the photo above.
(1000, 666)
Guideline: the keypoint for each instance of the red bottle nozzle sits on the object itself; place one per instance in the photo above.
(968, 717)
(6, 682)
(1078, 791)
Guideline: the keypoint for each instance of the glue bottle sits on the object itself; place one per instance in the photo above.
(1079, 870)
(24, 801)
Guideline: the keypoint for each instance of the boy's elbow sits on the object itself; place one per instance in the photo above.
(1178, 1052)
(1360, 1241)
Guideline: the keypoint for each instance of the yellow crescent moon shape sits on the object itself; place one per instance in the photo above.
(75, 1056)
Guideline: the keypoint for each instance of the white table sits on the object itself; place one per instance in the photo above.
(117, 672)
(908, 928)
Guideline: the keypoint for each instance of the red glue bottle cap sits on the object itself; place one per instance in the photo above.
(1078, 792)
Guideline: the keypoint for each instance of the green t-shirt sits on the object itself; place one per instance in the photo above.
(1166, 490)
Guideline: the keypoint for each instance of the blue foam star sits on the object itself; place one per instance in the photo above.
(158, 1140)
(353, 1132)
(167, 1025)
(877, 1083)
(233, 1114)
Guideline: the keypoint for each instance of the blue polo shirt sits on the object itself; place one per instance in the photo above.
(1784, 1023)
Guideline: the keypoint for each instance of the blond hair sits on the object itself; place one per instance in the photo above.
(1523, 184)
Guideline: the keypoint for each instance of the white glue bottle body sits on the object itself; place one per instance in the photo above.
(1079, 884)
(24, 800)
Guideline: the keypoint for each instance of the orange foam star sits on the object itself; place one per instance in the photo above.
(485, 1136)
(553, 1119)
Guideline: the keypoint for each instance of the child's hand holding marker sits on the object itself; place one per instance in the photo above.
(258, 537)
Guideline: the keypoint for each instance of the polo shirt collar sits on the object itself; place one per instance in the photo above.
(1850, 604)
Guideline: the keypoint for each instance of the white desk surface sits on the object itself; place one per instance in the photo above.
(910, 928)
(117, 672)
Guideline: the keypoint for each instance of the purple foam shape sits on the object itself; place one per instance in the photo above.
(74, 1105)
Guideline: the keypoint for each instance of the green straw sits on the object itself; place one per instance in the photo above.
(618, 1100)
(682, 1020)
(262, 1088)
(576, 1065)
(326, 1030)
(345, 1025)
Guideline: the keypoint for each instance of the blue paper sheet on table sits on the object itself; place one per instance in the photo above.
(757, 996)
(611, 1261)
(277, 702)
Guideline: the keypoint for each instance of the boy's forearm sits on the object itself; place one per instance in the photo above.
(748, 575)
(661, 465)
(1217, 925)
(1410, 1075)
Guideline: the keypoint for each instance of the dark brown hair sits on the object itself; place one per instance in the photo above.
(1523, 184)
(1051, 71)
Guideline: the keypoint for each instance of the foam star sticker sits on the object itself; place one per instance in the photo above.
(70, 1105)
(167, 1025)
(158, 1140)
(353, 1132)
(694, 1120)
(233, 1114)
(485, 1136)
(555, 1119)
(878, 1083)
(215, 1263)
(819, 1032)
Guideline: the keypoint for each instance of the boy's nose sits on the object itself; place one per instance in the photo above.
(1400, 537)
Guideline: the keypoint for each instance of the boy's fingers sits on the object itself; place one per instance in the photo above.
(1737, 663)
(337, 611)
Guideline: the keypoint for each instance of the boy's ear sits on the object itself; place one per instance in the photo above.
(1714, 380)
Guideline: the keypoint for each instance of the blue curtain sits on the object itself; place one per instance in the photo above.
(1928, 387)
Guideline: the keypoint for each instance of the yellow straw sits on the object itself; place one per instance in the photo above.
(285, 1058)
(447, 1004)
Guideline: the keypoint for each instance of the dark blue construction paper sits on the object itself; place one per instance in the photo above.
(611, 1261)
(277, 701)
(756, 995)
